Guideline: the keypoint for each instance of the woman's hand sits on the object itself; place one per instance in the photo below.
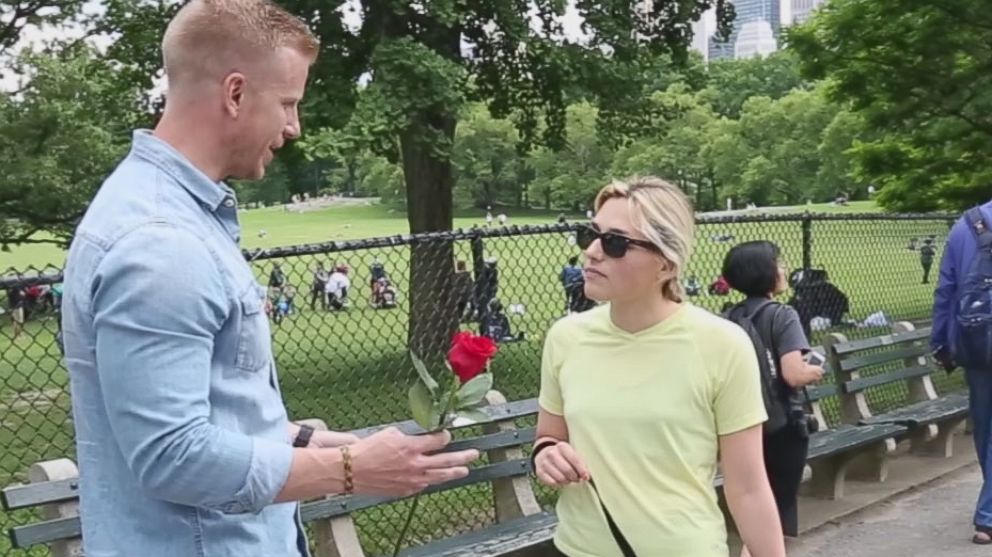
(559, 465)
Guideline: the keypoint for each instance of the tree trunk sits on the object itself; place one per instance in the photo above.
(433, 306)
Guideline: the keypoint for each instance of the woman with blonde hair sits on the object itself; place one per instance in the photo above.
(640, 395)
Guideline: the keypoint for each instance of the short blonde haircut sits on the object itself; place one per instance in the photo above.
(663, 214)
(211, 38)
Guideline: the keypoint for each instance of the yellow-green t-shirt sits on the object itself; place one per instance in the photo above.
(645, 412)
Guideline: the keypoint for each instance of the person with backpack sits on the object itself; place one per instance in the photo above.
(643, 395)
(962, 336)
(755, 269)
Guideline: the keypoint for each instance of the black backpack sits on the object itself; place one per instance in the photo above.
(973, 345)
(768, 360)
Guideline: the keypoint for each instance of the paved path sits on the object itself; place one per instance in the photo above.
(934, 520)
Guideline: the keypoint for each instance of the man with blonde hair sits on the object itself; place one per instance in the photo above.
(183, 441)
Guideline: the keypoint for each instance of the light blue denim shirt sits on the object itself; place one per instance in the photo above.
(181, 431)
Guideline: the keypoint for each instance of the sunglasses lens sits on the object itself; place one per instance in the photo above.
(614, 246)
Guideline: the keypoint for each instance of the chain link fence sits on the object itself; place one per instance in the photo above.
(344, 316)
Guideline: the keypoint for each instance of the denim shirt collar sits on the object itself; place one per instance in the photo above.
(212, 194)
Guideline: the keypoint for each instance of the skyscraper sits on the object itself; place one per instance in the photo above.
(749, 11)
(803, 9)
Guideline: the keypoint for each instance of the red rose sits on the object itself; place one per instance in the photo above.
(469, 354)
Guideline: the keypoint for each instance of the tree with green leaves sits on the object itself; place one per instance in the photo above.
(918, 74)
(731, 83)
(571, 176)
(17, 15)
(775, 153)
(676, 148)
(489, 169)
(62, 133)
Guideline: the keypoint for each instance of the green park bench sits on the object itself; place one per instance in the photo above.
(854, 448)
(887, 380)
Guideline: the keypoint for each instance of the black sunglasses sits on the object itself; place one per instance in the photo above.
(614, 245)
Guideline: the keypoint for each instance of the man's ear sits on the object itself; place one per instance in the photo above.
(234, 93)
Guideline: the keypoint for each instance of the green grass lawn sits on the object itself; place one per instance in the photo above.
(351, 368)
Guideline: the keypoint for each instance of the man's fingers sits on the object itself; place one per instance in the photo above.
(441, 475)
(448, 460)
(432, 442)
(573, 460)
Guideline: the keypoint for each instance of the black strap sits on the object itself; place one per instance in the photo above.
(976, 222)
(773, 344)
(303, 437)
(614, 529)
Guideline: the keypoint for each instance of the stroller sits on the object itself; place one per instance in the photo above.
(814, 296)
(383, 294)
(496, 325)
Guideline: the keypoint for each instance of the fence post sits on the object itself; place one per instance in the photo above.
(478, 255)
(807, 241)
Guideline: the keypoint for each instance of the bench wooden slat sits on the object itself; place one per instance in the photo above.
(848, 437)
(343, 504)
(31, 495)
(498, 539)
(502, 412)
(492, 441)
(884, 340)
(953, 405)
(45, 532)
(862, 383)
(820, 392)
(858, 362)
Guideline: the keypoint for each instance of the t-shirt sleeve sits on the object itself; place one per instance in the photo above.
(789, 335)
(550, 398)
(738, 404)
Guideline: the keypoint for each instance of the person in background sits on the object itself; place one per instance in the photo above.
(571, 278)
(756, 270)
(377, 271)
(636, 404)
(927, 254)
(320, 276)
(962, 285)
(277, 278)
(17, 302)
(337, 287)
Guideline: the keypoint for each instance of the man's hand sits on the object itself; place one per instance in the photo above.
(332, 439)
(392, 463)
(811, 374)
(560, 465)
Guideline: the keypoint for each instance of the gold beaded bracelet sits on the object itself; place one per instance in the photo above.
(349, 479)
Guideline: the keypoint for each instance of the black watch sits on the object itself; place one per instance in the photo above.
(303, 437)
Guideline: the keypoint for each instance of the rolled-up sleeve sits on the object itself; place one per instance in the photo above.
(158, 303)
